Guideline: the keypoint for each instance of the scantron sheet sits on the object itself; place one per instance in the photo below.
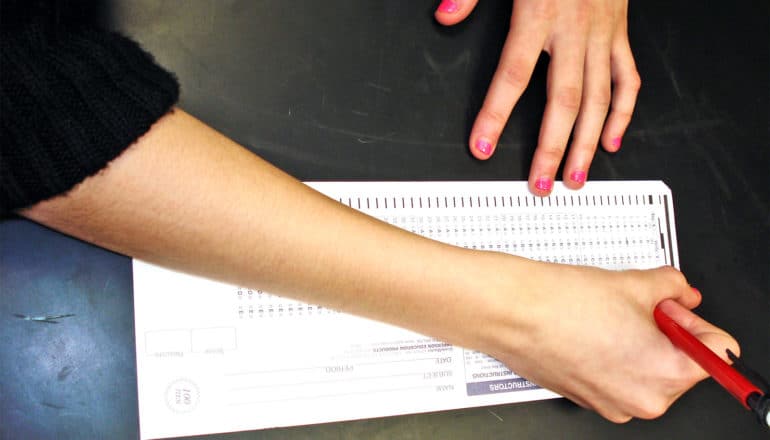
(215, 358)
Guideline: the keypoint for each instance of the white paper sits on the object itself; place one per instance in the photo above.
(213, 358)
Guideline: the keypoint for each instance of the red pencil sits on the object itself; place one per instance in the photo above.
(744, 390)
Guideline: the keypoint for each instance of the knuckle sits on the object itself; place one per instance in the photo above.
(550, 153)
(583, 15)
(614, 415)
(632, 81)
(651, 409)
(601, 99)
(605, 17)
(543, 11)
(618, 418)
(674, 275)
(622, 114)
(515, 75)
(496, 116)
(568, 97)
(586, 148)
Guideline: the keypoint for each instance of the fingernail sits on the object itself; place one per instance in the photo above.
(448, 6)
(578, 176)
(616, 142)
(697, 292)
(543, 184)
(483, 145)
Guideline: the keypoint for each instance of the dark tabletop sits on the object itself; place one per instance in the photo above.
(377, 90)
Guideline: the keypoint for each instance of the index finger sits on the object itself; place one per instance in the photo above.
(522, 48)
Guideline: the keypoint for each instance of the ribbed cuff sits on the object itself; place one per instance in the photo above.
(69, 105)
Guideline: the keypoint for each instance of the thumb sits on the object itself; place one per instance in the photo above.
(451, 12)
(716, 339)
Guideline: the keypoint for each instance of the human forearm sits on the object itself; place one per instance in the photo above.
(186, 197)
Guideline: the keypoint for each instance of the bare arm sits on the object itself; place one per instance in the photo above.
(186, 197)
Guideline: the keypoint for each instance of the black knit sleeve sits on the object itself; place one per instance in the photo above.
(72, 98)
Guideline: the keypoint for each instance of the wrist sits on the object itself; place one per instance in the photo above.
(496, 293)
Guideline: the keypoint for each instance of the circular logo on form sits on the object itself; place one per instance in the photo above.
(182, 396)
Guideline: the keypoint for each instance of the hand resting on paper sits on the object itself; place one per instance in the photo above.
(589, 335)
(587, 41)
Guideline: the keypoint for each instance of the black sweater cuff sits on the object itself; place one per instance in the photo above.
(70, 103)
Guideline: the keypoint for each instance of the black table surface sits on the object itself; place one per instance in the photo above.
(370, 90)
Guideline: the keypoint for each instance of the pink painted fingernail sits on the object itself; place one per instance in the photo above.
(578, 176)
(484, 146)
(543, 184)
(448, 6)
(616, 142)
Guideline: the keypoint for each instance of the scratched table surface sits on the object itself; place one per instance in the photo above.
(376, 90)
